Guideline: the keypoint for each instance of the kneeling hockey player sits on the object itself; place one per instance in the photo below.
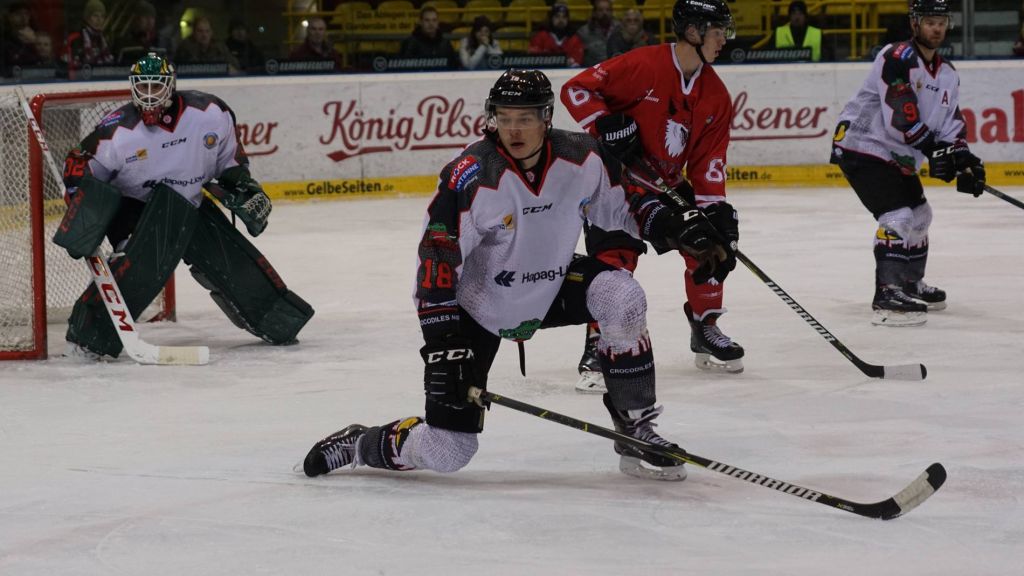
(496, 261)
(138, 180)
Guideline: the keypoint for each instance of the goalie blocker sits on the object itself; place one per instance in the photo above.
(160, 233)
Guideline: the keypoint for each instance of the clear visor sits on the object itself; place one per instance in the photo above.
(728, 28)
(149, 92)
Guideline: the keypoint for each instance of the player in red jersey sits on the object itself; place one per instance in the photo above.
(662, 109)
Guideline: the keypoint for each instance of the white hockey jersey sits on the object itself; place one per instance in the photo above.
(901, 102)
(194, 143)
(499, 245)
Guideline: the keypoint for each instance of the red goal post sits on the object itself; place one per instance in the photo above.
(39, 282)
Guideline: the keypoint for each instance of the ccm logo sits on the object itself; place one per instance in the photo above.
(453, 355)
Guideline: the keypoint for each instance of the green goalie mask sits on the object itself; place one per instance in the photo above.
(152, 81)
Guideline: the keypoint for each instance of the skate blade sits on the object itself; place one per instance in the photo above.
(708, 362)
(895, 319)
(633, 466)
(591, 383)
(936, 306)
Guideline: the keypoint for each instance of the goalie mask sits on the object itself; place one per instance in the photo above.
(152, 82)
(520, 89)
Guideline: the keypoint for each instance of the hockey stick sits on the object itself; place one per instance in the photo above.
(904, 501)
(1004, 196)
(137, 349)
(897, 372)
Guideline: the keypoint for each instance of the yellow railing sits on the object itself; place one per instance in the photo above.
(863, 30)
(754, 18)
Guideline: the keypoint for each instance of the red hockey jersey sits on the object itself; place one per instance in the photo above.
(682, 125)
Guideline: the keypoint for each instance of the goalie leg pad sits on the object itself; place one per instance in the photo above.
(150, 256)
(242, 282)
(90, 211)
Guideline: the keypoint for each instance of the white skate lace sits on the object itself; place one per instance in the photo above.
(924, 289)
(340, 454)
(713, 335)
(643, 427)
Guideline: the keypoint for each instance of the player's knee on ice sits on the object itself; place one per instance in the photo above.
(412, 444)
(241, 280)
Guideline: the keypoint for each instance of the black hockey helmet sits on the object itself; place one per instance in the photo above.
(703, 14)
(930, 8)
(518, 88)
(921, 8)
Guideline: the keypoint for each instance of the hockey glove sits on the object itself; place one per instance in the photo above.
(621, 137)
(448, 373)
(722, 216)
(241, 194)
(941, 161)
(690, 232)
(970, 171)
(971, 181)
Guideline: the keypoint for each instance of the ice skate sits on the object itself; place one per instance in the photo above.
(933, 298)
(640, 425)
(714, 350)
(83, 354)
(333, 452)
(893, 307)
(591, 378)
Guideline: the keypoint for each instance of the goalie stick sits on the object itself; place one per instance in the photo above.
(134, 346)
(898, 505)
(1004, 196)
(896, 372)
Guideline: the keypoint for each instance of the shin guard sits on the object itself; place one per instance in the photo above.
(150, 256)
(241, 280)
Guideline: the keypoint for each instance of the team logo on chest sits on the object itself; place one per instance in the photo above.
(676, 136)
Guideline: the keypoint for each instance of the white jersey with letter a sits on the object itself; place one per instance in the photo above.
(902, 101)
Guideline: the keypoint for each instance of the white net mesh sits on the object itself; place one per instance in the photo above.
(16, 322)
(65, 122)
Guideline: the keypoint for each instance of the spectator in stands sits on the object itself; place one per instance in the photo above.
(17, 38)
(44, 50)
(250, 57)
(316, 46)
(476, 49)
(630, 35)
(200, 47)
(426, 40)
(797, 33)
(168, 36)
(595, 33)
(141, 37)
(557, 38)
(88, 46)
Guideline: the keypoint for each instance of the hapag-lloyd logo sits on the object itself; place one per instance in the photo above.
(776, 123)
(436, 124)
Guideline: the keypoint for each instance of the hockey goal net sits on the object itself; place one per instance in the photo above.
(39, 282)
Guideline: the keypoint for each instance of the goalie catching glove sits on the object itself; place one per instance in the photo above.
(239, 192)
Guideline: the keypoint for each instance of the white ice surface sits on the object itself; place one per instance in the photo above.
(144, 471)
